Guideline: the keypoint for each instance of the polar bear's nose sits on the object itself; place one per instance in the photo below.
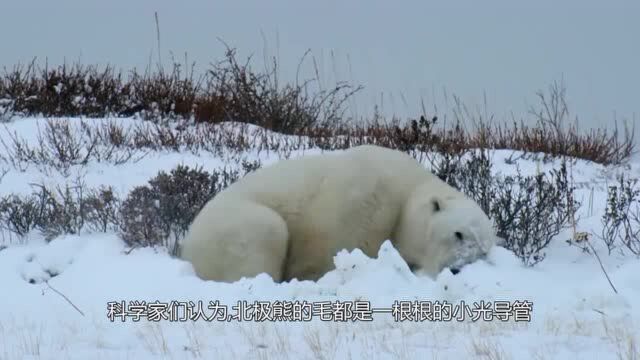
(413, 267)
(454, 271)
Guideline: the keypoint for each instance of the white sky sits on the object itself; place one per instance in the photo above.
(414, 49)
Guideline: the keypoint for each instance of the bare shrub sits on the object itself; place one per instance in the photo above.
(232, 91)
(621, 219)
(528, 211)
(60, 146)
(6, 110)
(229, 91)
(63, 209)
(20, 215)
(160, 212)
(469, 172)
(43, 211)
(563, 138)
(64, 90)
(181, 194)
(140, 226)
(236, 93)
(17, 152)
(68, 209)
(101, 209)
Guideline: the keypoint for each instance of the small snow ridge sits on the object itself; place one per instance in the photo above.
(53, 258)
(499, 257)
(50, 260)
(355, 267)
(380, 280)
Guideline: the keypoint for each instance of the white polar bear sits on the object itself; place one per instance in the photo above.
(291, 218)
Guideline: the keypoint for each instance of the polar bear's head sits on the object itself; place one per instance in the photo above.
(445, 231)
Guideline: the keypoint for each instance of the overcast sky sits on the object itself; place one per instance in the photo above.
(416, 49)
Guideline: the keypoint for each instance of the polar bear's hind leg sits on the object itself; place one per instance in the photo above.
(245, 239)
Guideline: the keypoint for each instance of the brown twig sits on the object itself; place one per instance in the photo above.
(602, 266)
(65, 297)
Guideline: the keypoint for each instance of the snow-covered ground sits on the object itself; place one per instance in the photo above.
(573, 314)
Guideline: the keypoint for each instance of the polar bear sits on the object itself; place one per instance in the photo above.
(290, 219)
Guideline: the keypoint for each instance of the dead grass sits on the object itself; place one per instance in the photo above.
(154, 339)
(487, 349)
(629, 349)
(321, 340)
(580, 327)
(543, 352)
(25, 339)
(552, 326)
(4, 347)
(195, 340)
(399, 349)
(322, 344)
(625, 339)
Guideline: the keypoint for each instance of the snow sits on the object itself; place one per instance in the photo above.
(575, 314)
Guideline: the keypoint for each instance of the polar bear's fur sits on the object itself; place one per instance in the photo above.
(291, 218)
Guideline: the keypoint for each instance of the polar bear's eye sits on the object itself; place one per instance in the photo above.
(436, 206)
(458, 235)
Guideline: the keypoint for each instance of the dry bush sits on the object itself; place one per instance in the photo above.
(64, 91)
(63, 144)
(101, 209)
(232, 91)
(20, 215)
(236, 93)
(621, 219)
(156, 214)
(159, 213)
(528, 211)
(53, 212)
(229, 91)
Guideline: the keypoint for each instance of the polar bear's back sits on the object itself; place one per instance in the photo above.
(298, 178)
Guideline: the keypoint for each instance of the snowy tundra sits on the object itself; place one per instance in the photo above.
(90, 296)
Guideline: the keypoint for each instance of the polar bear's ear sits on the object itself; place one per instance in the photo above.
(436, 205)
